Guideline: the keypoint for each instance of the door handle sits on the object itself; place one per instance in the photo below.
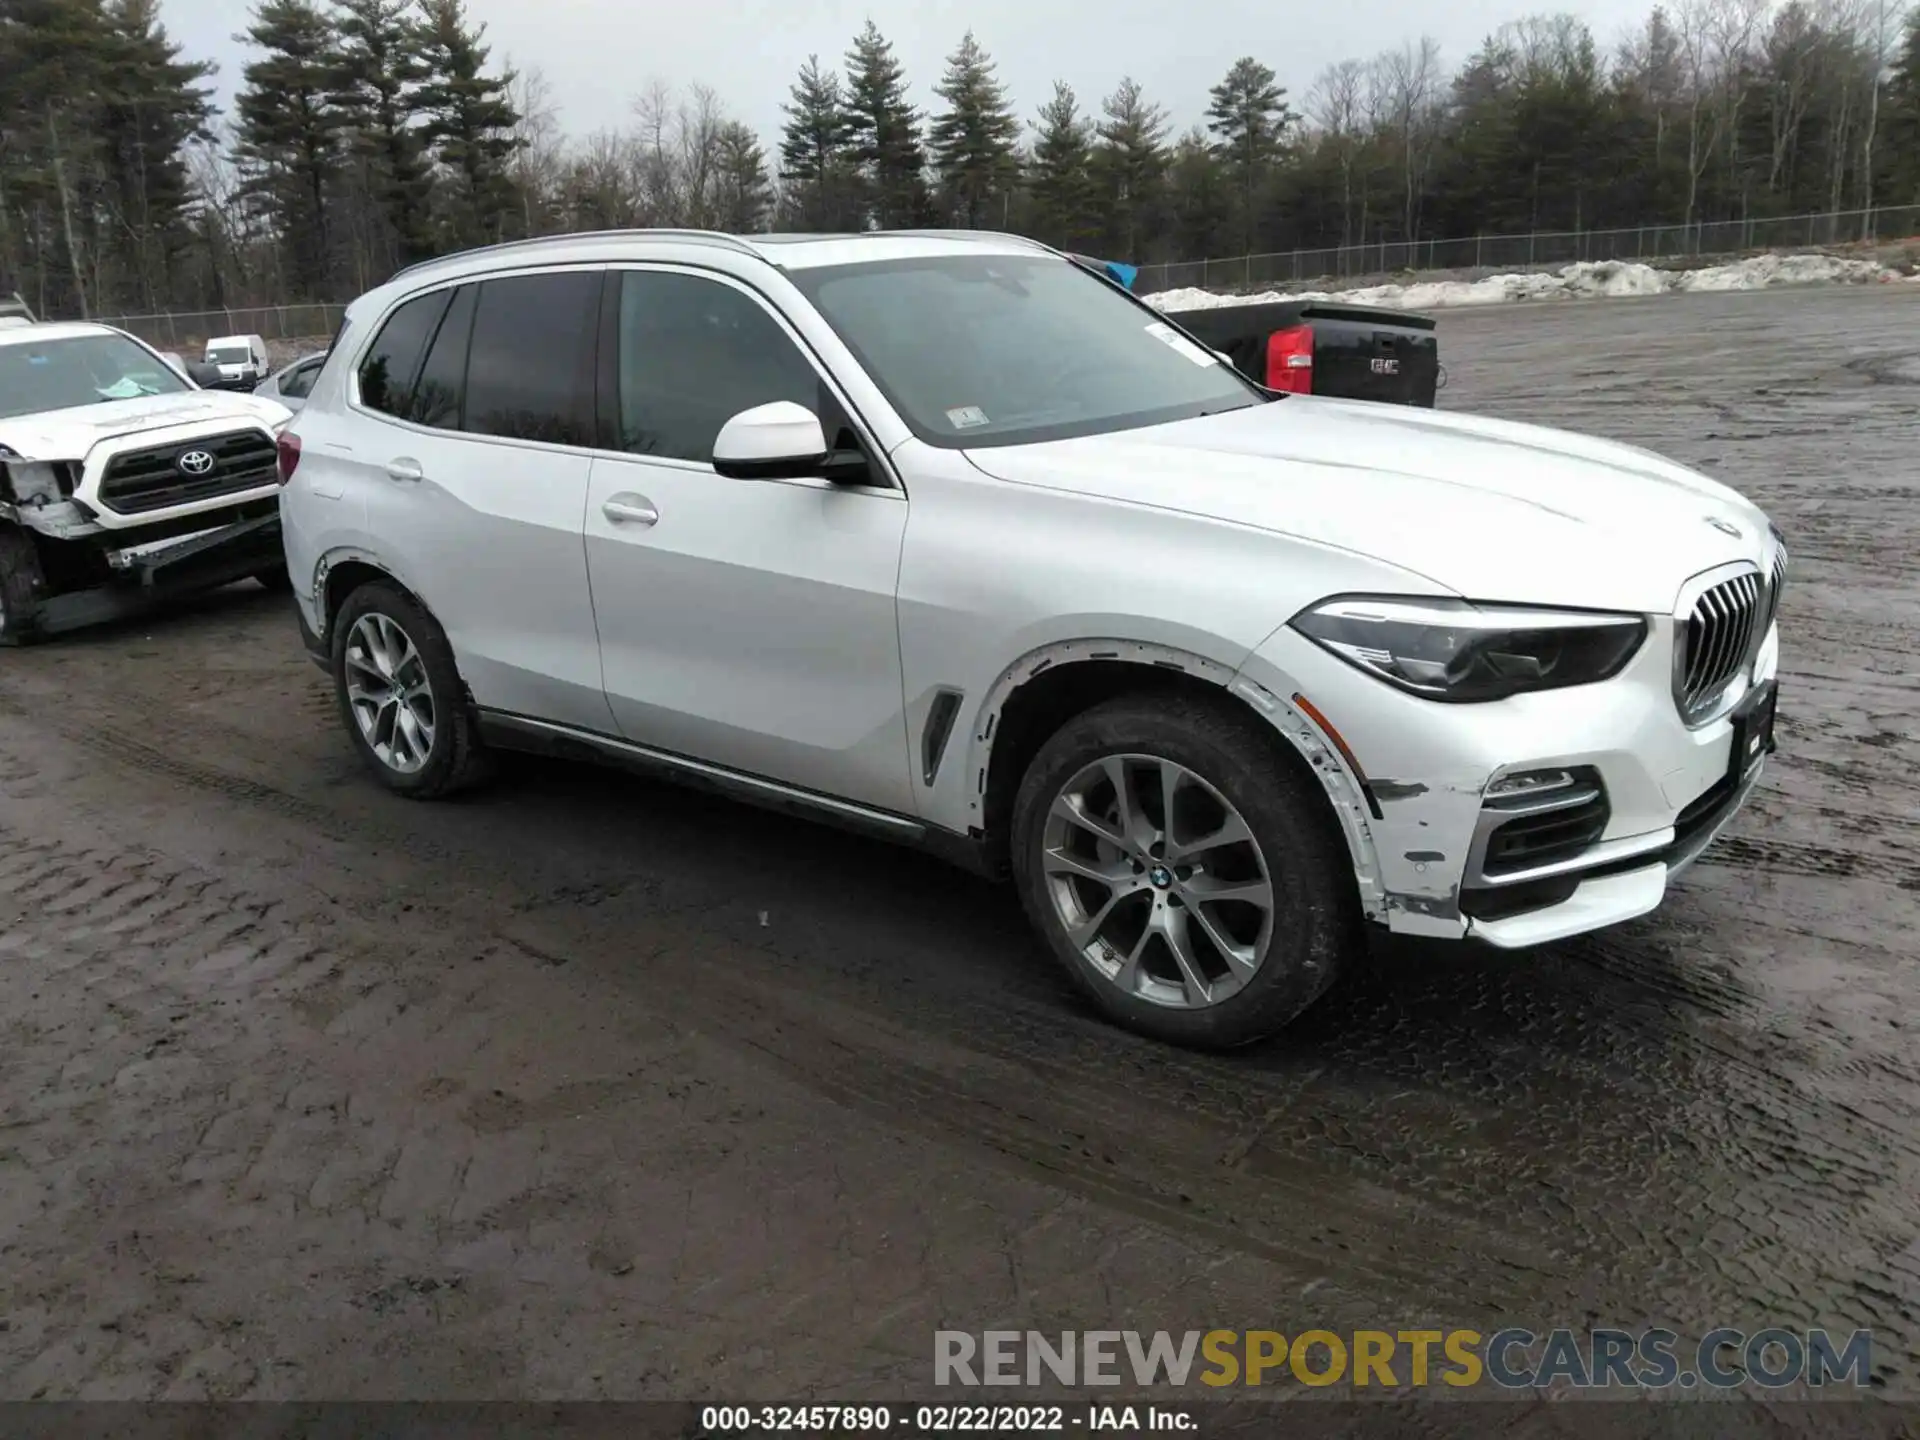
(629, 506)
(404, 469)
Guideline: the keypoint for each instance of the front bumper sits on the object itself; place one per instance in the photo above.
(1436, 844)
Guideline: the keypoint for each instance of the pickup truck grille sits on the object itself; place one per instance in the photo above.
(144, 480)
(1719, 636)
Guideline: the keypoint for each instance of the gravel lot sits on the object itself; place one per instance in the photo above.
(585, 1087)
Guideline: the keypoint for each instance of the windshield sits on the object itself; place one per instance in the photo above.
(977, 350)
(228, 355)
(82, 370)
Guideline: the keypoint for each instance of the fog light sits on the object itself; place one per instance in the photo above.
(1529, 782)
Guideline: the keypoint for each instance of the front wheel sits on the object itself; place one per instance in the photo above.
(1192, 885)
(400, 695)
(20, 582)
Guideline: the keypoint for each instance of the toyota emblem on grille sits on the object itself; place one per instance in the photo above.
(195, 462)
(1725, 527)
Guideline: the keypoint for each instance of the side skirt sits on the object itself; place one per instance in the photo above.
(506, 731)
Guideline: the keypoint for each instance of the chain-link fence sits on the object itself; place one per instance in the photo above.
(184, 330)
(1534, 250)
(191, 329)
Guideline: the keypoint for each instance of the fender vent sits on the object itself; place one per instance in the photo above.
(933, 739)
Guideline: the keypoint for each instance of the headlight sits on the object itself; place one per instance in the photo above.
(35, 482)
(1457, 651)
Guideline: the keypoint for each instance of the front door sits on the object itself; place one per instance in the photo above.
(748, 624)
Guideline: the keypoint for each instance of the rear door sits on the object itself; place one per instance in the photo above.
(475, 464)
(747, 623)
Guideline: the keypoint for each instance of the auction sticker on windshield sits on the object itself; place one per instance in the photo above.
(1179, 344)
(965, 417)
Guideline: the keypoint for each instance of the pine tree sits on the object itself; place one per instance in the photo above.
(1902, 119)
(470, 123)
(743, 192)
(815, 163)
(378, 72)
(972, 142)
(884, 134)
(289, 136)
(1248, 116)
(1201, 198)
(152, 105)
(1060, 179)
(1130, 166)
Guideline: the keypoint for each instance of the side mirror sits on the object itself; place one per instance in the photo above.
(202, 374)
(781, 441)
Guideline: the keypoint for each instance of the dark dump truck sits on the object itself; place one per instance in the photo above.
(1315, 347)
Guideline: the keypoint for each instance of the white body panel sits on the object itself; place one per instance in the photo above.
(489, 537)
(92, 435)
(744, 590)
(799, 632)
(254, 367)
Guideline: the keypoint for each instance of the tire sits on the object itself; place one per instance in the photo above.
(422, 762)
(1292, 855)
(20, 584)
(276, 579)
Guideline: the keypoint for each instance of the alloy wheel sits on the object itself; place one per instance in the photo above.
(390, 693)
(1158, 881)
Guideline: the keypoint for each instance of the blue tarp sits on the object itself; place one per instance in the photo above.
(1122, 274)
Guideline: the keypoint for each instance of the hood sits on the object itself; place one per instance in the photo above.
(1488, 509)
(72, 434)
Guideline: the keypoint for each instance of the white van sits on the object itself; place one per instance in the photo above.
(242, 360)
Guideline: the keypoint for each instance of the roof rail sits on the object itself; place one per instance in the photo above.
(997, 235)
(534, 242)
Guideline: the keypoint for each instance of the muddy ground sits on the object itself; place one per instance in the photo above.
(587, 1087)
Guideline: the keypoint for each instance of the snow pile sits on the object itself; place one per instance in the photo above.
(1590, 279)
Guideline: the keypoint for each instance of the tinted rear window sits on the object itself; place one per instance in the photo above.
(437, 397)
(530, 371)
(391, 363)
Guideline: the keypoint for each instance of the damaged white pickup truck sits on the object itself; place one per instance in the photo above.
(122, 484)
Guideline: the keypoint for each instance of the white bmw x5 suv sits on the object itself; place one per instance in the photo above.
(948, 538)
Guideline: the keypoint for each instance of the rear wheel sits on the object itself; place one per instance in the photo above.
(274, 578)
(1194, 889)
(400, 695)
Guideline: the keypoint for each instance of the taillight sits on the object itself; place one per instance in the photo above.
(287, 453)
(1290, 360)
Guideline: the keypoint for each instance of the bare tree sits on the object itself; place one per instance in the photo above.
(1877, 47)
(701, 123)
(1334, 107)
(1694, 25)
(539, 157)
(1792, 53)
(1409, 81)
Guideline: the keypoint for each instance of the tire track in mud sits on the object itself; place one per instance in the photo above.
(1512, 1223)
(1234, 1154)
(1182, 1182)
(1767, 855)
(92, 726)
(1166, 1140)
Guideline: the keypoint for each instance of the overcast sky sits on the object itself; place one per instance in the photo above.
(597, 54)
